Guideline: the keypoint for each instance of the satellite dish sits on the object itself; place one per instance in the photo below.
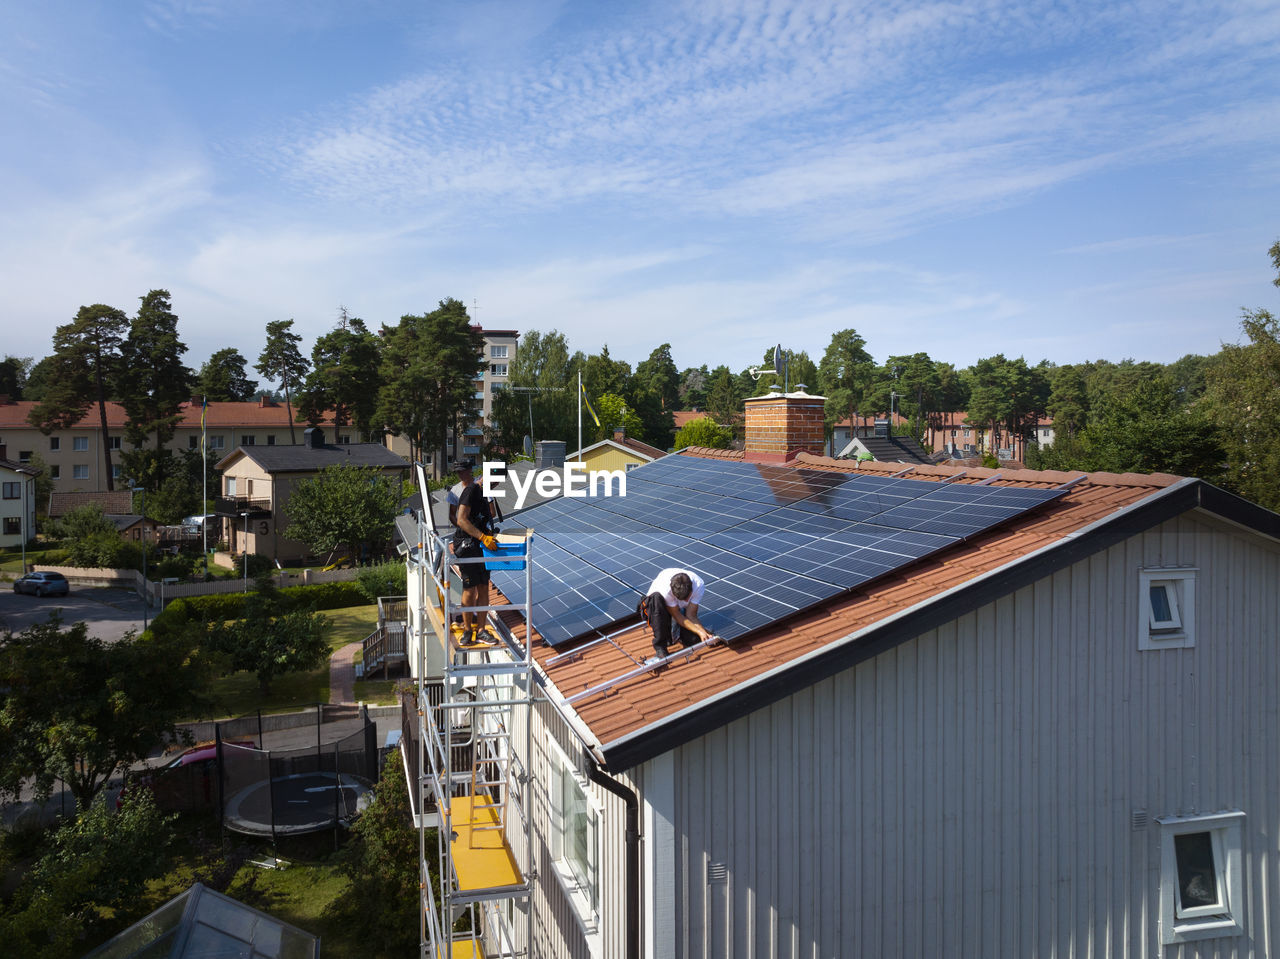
(528, 445)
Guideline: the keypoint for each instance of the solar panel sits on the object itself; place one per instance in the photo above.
(768, 540)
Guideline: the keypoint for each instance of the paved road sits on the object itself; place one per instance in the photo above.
(110, 613)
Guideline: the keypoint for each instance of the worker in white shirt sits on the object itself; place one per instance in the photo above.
(671, 606)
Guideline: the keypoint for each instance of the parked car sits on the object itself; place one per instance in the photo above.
(42, 584)
(195, 525)
(189, 781)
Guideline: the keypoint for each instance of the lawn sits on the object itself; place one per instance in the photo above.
(238, 694)
(299, 894)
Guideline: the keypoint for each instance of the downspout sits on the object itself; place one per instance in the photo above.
(632, 833)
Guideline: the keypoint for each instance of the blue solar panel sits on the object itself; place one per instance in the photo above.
(768, 540)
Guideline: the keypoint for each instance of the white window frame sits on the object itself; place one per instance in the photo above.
(230, 486)
(79, 444)
(80, 471)
(497, 352)
(113, 442)
(248, 439)
(1178, 630)
(55, 444)
(216, 442)
(1179, 924)
(585, 911)
(55, 471)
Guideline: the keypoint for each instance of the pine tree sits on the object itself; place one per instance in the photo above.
(81, 371)
(280, 360)
(151, 380)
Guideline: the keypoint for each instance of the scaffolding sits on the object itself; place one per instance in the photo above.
(472, 789)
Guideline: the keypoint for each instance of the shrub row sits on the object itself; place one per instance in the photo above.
(220, 607)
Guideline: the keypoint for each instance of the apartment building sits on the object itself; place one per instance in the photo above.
(77, 462)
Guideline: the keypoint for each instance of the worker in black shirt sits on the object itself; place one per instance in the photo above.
(475, 529)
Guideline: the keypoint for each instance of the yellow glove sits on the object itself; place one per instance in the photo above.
(489, 542)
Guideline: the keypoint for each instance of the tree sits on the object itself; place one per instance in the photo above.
(381, 865)
(602, 374)
(280, 361)
(1242, 397)
(1068, 402)
(91, 540)
(153, 383)
(659, 375)
(344, 377)
(693, 387)
(13, 375)
(270, 642)
(82, 710)
(94, 872)
(846, 375)
(429, 366)
(222, 378)
(542, 364)
(916, 383)
(614, 414)
(1007, 393)
(704, 432)
(724, 401)
(81, 372)
(350, 508)
(39, 379)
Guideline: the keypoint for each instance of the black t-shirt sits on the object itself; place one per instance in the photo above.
(477, 511)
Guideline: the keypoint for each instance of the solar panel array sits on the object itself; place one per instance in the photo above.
(767, 540)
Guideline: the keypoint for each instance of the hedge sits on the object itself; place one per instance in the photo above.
(220, 607)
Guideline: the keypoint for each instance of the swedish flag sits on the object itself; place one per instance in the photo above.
(589, 409)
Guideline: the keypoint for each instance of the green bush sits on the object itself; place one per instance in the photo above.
(258, 564)
(223, 607)
(324, 596)
(383, 579)
(179, 566)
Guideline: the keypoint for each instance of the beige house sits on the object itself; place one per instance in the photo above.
(18, 504)
(255, 482)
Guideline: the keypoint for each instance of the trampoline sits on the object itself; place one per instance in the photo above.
(297, 804)
(319, 777)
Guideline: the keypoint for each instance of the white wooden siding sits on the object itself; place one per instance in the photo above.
(970, 792)
(557, 933)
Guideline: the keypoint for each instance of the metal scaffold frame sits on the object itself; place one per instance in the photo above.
(470, 772)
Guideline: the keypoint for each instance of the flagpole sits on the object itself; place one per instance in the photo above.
(204, 475)
(579, 414)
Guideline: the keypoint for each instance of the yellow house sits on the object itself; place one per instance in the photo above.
(619, 453)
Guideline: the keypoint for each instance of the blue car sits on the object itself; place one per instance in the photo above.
(42, 584)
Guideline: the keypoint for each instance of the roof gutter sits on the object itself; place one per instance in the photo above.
(870, 641)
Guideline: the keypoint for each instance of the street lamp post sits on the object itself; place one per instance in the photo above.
(244, 551)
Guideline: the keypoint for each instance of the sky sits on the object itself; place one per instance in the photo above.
(1052, 180)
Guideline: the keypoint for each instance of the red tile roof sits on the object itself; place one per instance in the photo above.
(13, 415)
(653, 698)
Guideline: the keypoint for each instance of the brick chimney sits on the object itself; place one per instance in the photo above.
(619, 434)
(781, 425)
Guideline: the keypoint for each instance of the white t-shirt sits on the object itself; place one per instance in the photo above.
(662, 586)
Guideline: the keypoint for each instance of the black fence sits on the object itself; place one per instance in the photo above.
(313, 778)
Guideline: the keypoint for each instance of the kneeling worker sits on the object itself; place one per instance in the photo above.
(673, 598)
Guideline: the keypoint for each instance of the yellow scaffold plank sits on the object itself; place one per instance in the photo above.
(481, 858)
(462, 949)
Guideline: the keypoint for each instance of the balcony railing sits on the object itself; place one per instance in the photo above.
(235, 505)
